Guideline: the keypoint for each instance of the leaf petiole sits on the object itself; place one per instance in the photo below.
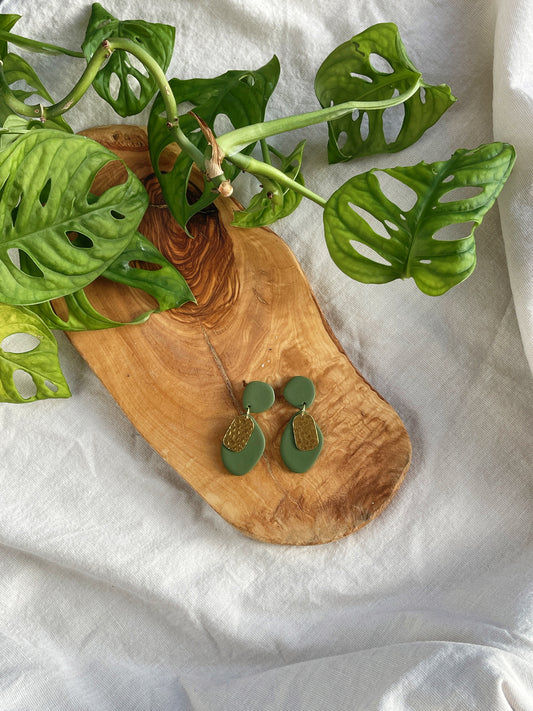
(169, 101)
(264, 170)
(39, 47)
(85, 81)
(238, 139)
(265, 152)
(45, 112)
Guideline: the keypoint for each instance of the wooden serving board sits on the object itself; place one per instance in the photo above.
(179, 377)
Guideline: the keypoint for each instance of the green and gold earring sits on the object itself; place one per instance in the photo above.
(244, 443)
(302, 440)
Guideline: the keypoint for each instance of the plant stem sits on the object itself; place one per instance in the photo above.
(40, 47)
(238, 139)
(44, 112)
(17, 106)
(265, 152)
(86, 79)
(258, 168)
(84, 82)
(171, 107)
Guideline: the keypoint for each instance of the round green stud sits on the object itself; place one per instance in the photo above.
(299, 391)
(258, 396)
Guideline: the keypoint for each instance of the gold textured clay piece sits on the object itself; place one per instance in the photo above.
(238, 433)
(305, 434)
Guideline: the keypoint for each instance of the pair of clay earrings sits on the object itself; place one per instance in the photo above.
(301, 441)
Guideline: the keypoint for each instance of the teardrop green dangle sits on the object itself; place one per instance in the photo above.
(244, 442)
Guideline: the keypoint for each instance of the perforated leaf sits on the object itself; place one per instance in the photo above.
(240, 96)
(374, 66)
(274, 201)
(407, 243)
(142, 266)
(17, 69)
(79, 315)
(38, 361)
(134, 86)
(48, 212)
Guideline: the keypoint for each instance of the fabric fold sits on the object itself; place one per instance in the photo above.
(512, 118)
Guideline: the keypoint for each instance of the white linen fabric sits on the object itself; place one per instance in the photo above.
(120, 589)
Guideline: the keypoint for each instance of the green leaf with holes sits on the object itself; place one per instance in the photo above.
(240, 96)
(408, 243)
(274, 201)
(135, 87)
(38, 361)
(47, 211)
(140, 265)
(143, 266)
(17, 69)
(80, 315)
(374, 66)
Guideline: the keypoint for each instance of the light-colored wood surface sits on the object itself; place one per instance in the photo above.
(179, 378)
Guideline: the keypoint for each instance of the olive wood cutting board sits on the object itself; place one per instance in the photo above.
(179, 377)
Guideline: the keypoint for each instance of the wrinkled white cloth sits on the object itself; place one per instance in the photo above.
(120, 589)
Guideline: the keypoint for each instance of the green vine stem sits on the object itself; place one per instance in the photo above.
(265, 152)
(38, 111)
(264, 170)
(238, 139)
(228, 144)
(39, 47)
(232, 142)
(85, 81)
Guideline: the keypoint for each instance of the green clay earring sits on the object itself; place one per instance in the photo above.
(244, 443)
(302, 440)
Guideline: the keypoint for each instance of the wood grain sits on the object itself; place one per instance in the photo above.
(180, 377)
